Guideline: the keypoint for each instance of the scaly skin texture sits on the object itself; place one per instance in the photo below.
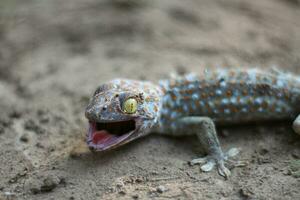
(192, 104)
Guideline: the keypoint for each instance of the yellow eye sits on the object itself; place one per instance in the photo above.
(130, 106)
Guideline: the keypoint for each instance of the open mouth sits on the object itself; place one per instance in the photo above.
(105, 135)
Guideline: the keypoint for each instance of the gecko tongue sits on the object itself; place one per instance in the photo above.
(101, 136)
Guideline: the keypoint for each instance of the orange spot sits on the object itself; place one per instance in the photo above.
(186, 82)
(203, 95)
(209, 110)
(234, 109)
(229, 93)
(186, 98)
(180, 110)
(190, 91)
(272, 107)
(163, 90)
(286, 93)
(265, 105)
(173, 96)
(172, 83)
(148, 99)
(253, 108)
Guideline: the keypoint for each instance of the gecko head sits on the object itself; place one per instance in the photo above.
(121, 111)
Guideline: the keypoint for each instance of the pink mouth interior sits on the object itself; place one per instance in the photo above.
(102, 136)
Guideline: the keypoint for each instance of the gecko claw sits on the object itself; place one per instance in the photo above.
(209, 162)
(223, 171)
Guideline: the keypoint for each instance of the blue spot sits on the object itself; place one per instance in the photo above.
(167, 98)
(176, 89)
(173, 115)
(252, 77)
(243, 100)
(165, 84)
(202, 103)
(218, 92)
(185, 108)
(173, 126)
(258, 101)
(280, 83)
(244, 110)
(236, 93)
(164, 111)
(260, 109)
(223, 83)
(279, 94)
(191, 86)
(278, 109)
(211, 104)
(233, 100)
(227, 111)
(195, 96)
(194, 107)
(191, 77)
(225, 101)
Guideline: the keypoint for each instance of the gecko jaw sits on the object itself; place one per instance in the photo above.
(109, 134)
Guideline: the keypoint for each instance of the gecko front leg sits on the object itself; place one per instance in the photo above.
(205, 129)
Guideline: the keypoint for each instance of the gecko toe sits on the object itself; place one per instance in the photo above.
(232, 152)
(198, 161)
(223, 171)
(207, 163)
(208, 166)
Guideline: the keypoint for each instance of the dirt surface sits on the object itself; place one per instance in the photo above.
(53, 54)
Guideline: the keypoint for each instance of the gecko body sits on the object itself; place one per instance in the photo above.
(122, 110)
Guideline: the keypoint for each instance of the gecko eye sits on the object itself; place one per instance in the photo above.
(130, 106)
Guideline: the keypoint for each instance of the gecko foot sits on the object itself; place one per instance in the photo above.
(209, 162)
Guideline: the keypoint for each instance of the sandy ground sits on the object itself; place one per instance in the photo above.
(53, 54)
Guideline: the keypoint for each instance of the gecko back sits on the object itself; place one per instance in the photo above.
(232, 96)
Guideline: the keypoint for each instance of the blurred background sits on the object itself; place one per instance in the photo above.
(54, 53)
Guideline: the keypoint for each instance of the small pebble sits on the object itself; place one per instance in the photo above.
(9, 196)
(161, 189)
(263, 151)
(246, 192)
(122, 192)
(24, 138)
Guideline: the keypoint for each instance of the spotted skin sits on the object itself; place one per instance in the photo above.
(230, 97)
(193, 104)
